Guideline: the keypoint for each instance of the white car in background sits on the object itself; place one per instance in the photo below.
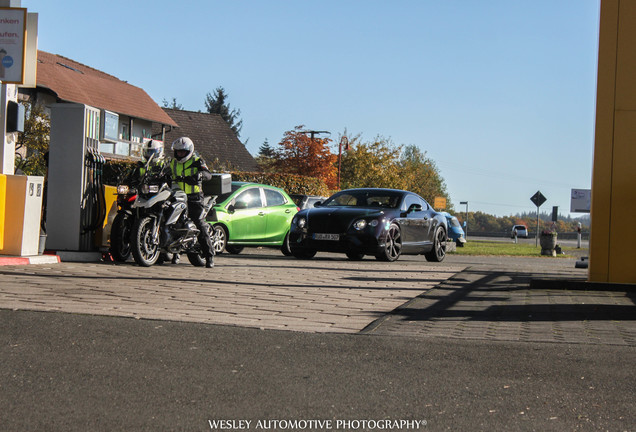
(522, 231)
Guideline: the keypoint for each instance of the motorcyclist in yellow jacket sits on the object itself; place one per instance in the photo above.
(188, 171)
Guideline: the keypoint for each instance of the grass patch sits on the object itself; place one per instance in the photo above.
(497, 248)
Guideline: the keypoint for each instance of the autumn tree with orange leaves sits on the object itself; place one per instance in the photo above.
(298, 153)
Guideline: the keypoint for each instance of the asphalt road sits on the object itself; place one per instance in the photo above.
(585, 244)
(72, 363)
(71, 372)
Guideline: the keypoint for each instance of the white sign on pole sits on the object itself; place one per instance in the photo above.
(13, 23)
(581, 201)
(31, 53)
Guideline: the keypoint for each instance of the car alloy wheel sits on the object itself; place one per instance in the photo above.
(219, 238)
(285, 249)
(393, 245)
(438, 253)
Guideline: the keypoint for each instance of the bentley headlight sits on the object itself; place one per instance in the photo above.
(301, 222)
(360, 224)
(374, 223)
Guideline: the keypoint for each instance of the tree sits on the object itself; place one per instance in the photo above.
(217, 104)
(266, 157)
(419, 174)
(371, 164)
(172, 104)
(32, 145)
(298, 153)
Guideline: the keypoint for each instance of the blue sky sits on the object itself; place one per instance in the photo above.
(500, 94)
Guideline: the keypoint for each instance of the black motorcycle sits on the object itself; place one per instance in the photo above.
(123, 223)
(163, 226)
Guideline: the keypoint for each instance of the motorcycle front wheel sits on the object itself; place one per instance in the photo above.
(144, 249)
(120, 237)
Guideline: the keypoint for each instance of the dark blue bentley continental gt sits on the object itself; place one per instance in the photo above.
(385, 223)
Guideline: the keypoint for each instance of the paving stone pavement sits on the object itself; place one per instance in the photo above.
(525, 301)
(512, 299)
(262, 290)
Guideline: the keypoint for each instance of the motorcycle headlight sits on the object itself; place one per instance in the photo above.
(122, 189)
(149, 188)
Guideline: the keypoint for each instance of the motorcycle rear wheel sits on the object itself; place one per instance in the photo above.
(196, 259)
(145, 251)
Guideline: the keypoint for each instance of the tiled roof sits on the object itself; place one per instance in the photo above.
(74, 82)
(213, 138)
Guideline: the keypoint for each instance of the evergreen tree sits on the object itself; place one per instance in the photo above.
(217, 104)
(265, 150)
(266, 157)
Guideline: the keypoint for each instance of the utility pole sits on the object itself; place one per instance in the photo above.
(312, 133)
(466, 220)
(344, 142)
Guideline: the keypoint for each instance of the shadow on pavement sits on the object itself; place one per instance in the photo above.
(477, 295)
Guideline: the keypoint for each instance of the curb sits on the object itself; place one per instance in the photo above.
(35, 259)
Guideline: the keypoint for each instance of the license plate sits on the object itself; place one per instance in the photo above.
(319, 236)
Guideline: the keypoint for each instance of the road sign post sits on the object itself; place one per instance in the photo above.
(466, 220)
(537, 199)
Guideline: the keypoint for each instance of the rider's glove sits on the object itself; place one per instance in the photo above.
(192, 180)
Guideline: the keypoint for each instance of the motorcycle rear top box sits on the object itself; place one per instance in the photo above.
(219, 184)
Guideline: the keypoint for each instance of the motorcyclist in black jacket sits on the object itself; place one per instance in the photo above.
(188, 171)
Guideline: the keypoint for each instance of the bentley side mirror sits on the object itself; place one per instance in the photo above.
(414, 208)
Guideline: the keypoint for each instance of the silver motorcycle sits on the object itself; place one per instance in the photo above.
(163, 226)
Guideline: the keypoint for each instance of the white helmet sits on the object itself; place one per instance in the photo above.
(153, 147)
(183, 149)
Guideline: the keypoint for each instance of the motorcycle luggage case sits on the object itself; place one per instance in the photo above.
(219, 184)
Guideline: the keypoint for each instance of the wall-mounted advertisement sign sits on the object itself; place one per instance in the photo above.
(12, 44)
(581, 201)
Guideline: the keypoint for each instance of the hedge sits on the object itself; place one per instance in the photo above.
(117, 170)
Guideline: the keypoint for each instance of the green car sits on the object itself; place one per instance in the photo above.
(252, 215)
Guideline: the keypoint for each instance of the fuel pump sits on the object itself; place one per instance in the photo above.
(75, 203)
